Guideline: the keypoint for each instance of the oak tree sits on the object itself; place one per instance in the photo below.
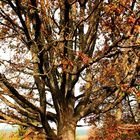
(63, 60)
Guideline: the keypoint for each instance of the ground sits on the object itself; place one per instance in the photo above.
(7, 135)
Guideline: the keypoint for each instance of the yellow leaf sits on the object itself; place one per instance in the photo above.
(88, 85)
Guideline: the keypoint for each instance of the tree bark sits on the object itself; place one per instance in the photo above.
(67, 130)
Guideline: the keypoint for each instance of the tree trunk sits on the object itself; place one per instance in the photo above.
(67, 130)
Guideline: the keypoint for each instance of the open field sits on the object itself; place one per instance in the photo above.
(7, 135)
(81, 138)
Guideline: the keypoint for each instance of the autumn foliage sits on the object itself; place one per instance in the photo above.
(113, 130)
(67, 60)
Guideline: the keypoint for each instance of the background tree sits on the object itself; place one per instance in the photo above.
(77, 57)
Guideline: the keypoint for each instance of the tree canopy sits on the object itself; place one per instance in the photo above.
(64, 60)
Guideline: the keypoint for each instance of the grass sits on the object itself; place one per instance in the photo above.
(81, 138)
(7, 135)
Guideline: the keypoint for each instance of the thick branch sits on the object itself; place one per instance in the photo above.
(15, 93)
